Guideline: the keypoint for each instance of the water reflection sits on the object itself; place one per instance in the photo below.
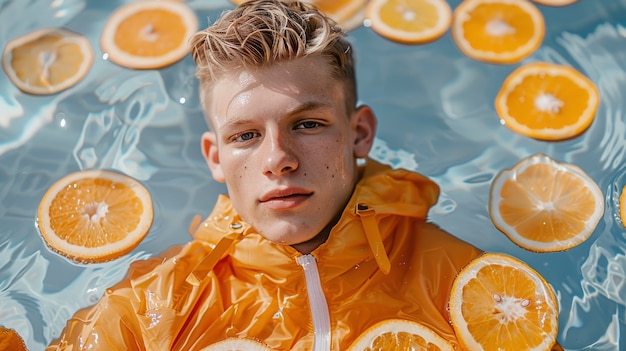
(436, 117)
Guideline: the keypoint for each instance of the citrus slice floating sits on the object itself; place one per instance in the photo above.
(237, 344)
(95, 215)
(545, 206)
(47, 61)
(555, 2)
(10, 340)
(399, 334)
(497, 31)
(341, 11)
(409, 22)
(622, 206)
(149, 34)
(547, 101)
(499, 303)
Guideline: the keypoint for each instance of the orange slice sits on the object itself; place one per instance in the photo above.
(399, 334)
(95, 215)
(555, 2)
(545, 206)
(10, 340)
(497, 31)
(547, 101)
(409, 22)
(341, 11)
(47, 61)
(237, 344)
(149, 34)
(499, 303)
(622, 206)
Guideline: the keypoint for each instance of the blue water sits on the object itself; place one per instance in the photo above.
(436, 116)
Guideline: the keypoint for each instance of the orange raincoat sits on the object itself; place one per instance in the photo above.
(381, 261)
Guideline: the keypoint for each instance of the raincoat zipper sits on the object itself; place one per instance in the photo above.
(317, 302)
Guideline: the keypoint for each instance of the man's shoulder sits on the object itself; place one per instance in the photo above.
(172, 265)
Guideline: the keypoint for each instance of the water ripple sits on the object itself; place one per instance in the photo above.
(20, 17)
(601, 56)
(110, 137)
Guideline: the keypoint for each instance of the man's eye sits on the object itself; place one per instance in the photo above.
(246, 136)
(307, 125)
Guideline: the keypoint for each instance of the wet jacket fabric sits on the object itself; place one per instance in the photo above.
(382, 260)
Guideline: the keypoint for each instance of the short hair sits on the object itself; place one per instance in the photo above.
(260, 33)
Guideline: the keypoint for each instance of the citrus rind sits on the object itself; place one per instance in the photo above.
(505, 303)
(495, 200)
(123, 58)
(546, 69)
(82, 254)
(66, 35)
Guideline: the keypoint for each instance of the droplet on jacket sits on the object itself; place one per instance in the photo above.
(278, 315)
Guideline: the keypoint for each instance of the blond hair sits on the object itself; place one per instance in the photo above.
(259, 33)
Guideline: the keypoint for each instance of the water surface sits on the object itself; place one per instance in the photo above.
(436, 116)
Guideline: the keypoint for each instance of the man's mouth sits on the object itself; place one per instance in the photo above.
(284, 199)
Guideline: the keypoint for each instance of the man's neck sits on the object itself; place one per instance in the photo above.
(309, 246)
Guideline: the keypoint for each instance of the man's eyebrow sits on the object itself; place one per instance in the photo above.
(309, 106)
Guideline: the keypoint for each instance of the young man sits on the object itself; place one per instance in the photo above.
(311, 247)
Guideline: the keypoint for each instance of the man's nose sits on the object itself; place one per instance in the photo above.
(278, 155)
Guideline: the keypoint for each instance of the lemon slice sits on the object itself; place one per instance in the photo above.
(545, 206)
(237, 344)
(500, 303)
(10, 340)
(95, 215)
(399, 334)
(547, 101)
(149, 34)
(47, 61)
(498, 31)
(409, 22)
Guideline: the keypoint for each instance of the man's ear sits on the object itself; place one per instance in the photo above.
(209, 151)
(364, 128)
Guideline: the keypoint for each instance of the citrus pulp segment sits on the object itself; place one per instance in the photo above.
(547, 101)
(94, 215)
(237, 344)
(545, 206)
(47, 61)
(497, 31)
(344, 12)
(409, 22)
(498, 302)
(149, 34)
(399, 334)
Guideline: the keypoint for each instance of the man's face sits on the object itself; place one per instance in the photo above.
(285, 146)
